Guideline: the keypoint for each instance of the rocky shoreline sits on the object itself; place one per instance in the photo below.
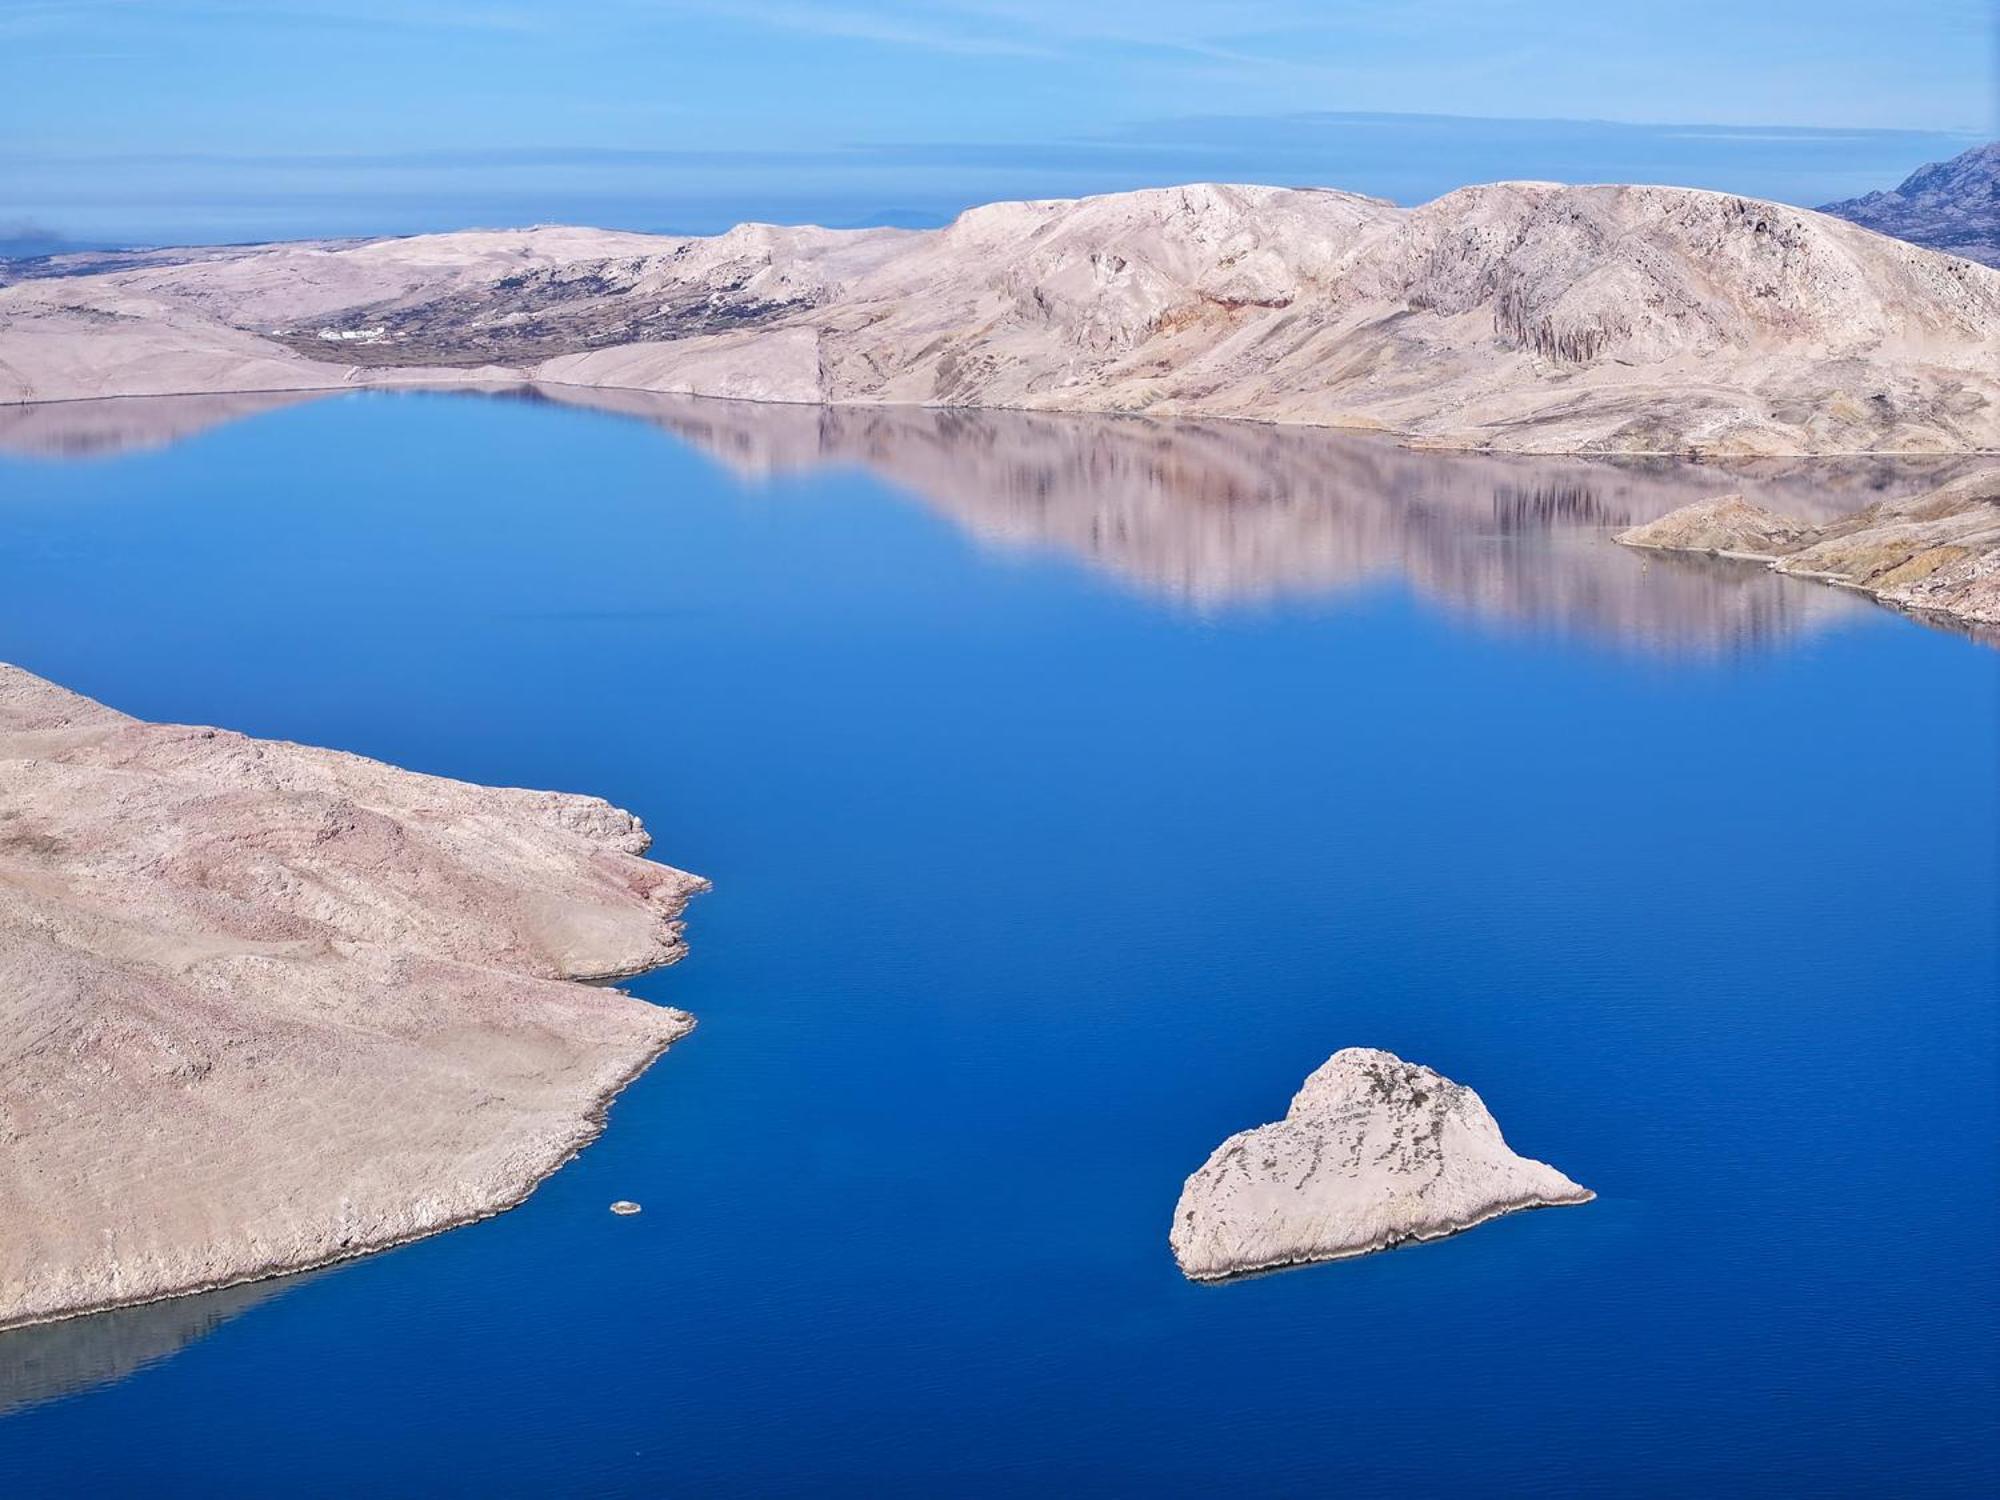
(265, 1007)
(1936, 554)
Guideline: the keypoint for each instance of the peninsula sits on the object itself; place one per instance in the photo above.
(1935, 554)
(264, 1007)
(1374, 1152)
(1517, 316)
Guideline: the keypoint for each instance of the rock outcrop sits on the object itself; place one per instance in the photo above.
(1953, 206)
(1374, 1152)
(263, 1007)
(1934, 554)
(1527, 317)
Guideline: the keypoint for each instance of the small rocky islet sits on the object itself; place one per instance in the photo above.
(1375, 1152)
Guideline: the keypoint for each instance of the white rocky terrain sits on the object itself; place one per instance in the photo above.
(1517, 316)
(1932, 554)
(1374, 1152)
(263, 1007)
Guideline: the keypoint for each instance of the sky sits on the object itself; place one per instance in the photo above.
(154, 120)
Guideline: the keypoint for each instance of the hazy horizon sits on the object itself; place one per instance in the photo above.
(1407, 158)
(214, 120)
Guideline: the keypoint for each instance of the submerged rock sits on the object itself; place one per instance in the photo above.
(263, 1007)
(1937, 553)
(1375, 1152)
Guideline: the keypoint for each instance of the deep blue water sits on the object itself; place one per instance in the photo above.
(1035, 876)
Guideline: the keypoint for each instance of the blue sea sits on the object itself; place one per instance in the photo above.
(1071, 788)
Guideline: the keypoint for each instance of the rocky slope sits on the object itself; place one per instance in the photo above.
(1953, 206)
(1933, 554)
(264, 1007)
(1517, 316)
(1374, 1152)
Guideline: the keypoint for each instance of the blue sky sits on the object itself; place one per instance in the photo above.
(160, 119)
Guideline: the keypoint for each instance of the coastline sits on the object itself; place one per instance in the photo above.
(472, 383)
(266, 1008)
(592, 1123)
(1754, 329)
(1934, 557)
(1386, 1243)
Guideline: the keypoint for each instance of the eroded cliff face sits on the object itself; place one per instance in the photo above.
(1374, 1153)
(264, 1007)
(1935, 554)
(1517, 316)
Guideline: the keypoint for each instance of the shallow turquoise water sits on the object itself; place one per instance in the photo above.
(1070, 791)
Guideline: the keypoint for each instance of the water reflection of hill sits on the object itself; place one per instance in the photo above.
(1221, 515)
(121, 424)
(51, 1360)
(1217, 515)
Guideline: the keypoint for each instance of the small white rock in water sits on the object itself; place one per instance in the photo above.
(1374, 1152)
(624, 1206)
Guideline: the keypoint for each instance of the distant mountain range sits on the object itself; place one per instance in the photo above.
(1953, 206)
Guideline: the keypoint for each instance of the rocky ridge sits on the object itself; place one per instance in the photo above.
(1516, 316)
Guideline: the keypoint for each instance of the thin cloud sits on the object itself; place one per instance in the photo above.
(888, 29)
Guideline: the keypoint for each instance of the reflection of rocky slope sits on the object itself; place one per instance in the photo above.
(1217, 514)
(1953, 206)
(1222, 514)
(1516, 316)
(1932, 554)
(51, 1360)
(263, 1007)
(81, 429)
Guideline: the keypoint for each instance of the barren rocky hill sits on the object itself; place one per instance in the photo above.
(1517, 316)
(263, 1007)
(1953, 206)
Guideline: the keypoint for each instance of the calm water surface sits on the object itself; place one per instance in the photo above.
(1072, 789)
